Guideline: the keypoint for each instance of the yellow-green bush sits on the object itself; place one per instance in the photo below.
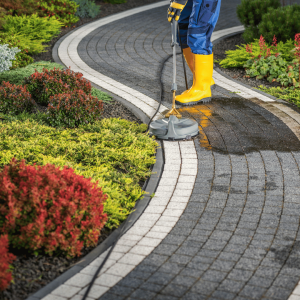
(32, 30)
(116, 152)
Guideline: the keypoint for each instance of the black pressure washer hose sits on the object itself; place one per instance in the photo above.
(160, 100)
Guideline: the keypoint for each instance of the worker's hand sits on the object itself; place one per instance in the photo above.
(175, 9)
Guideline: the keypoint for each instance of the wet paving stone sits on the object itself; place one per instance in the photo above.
(237, 238)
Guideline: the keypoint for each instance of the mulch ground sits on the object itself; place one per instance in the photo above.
(32, 273)
(231, 43)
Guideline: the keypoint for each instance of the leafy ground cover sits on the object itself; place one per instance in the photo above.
(290, 94)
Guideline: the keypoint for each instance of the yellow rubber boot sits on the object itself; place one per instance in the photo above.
(189, 58)
(200, 91)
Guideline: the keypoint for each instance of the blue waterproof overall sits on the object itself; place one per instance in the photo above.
(197, 23)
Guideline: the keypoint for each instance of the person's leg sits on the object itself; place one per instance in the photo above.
(183, 23)
(202, 22)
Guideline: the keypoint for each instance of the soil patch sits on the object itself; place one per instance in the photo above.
(31, 273)
(231, 43)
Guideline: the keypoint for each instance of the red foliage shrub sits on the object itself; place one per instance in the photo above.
(63, 10)
(5, 259)
(74, 109)
(49, 83)
(15, 99)
(18, 7)
(45, 208)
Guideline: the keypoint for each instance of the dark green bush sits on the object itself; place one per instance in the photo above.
(283, 22)
(250, 13)
(87, 9)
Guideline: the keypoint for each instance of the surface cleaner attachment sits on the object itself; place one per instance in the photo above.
(173, 126)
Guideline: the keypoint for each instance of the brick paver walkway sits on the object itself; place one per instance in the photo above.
(228, 230)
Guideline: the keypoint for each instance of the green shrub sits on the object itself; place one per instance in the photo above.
(15, 99)
(115, 152)
(282, 22)
(52, 82)
(291, 94)
(73, 109)
(238, 58)
(17, 76)
(62, 10)
(87, 9)
(34, 30)
(250, 13)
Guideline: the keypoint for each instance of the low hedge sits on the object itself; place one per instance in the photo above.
(115, 152)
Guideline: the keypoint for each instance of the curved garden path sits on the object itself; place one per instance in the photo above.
(224, 222)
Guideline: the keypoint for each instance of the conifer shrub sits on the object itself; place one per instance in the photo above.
(250, 13)
(6, 259)
(33, 27)
(87, 9)
(48, 209)
(282, 22)
(52, 82)
(73, 109)
(15, 99)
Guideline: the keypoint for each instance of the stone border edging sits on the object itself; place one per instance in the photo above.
(149, 187)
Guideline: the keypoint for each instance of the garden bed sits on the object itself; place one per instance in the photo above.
(231, 43)
(30, 272)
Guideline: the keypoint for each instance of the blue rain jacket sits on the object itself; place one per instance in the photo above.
(197, 23)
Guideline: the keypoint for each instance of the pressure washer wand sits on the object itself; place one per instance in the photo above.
(173, 111)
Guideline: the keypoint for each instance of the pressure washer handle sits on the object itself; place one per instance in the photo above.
(174, 28)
